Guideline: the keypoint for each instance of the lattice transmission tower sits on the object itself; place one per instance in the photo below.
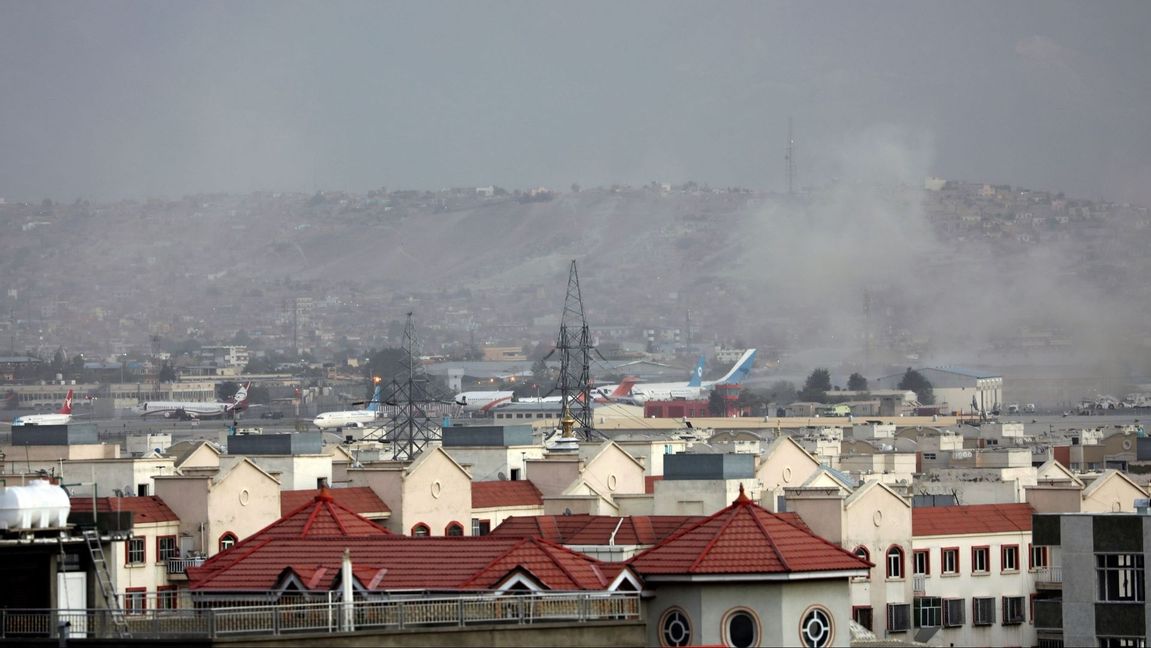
(574, 346)
(410, 429)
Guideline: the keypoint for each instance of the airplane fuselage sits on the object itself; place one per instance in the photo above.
(348, 418)
(42, 419)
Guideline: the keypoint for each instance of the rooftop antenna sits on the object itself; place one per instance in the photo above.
(410, 429)
(574, 345)
(790, 158)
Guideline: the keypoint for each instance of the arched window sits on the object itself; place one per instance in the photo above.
(421, 530)
(741, 628)
(454, 529)
(815, 628)
(895, 562)
(861, 552)
(674, 628)
(227, 540)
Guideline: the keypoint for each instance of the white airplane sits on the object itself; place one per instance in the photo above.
(357, 418)
(602, 394)
(695, 388)
(195, 410)
(482, 401)
(63, 417)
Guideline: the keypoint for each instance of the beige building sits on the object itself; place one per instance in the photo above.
(785, 463)
(218, 508)
(431, 495)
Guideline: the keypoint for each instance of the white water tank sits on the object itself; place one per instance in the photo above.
(40, 505)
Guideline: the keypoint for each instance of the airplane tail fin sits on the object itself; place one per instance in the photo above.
(240, 400)
(624, 387)
(697, 375)
(67, 408)
(377, 396)
(739, 370)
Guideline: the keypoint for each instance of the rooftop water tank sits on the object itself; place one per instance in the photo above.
(41, 505)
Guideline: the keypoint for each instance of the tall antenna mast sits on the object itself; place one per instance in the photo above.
(790, 157)
(574, 345)
(411, 429)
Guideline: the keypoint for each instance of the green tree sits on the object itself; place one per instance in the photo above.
(856, 382)
(816, 386)
(167, 372)
(914, 381)
(715, 404)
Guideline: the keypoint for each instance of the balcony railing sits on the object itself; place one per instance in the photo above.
(181, 565)
(1052, 574)
(329, 616)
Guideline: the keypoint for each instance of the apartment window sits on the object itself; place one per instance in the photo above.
(921, 562)
(481, 527)
(454, 529)
(950, 559)
(1038, 557)
(1013, 610)
(166, 597)
(862, 615)
(895, 562)
(135, 600)
(166, 547)
(135, 550)
(421, 530)
(953, 612)
(980, 560)
(929, 456)
(228, 540)
(898, 617)
(1120, 577)
(982, 611)
(1009, 558)
(928, 611)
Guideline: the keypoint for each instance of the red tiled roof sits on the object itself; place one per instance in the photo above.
(145, 509)
(586, 529)
(394, 562)
(744, 539)
(360, 499)
(493, 494)
(972, 518)
(322, 517)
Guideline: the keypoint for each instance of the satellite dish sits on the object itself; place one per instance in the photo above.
(501, 476)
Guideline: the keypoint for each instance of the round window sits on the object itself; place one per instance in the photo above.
(675, 629)
(741, 630)
(815, 629)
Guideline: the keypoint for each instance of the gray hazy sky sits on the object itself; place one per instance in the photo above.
(132, 99)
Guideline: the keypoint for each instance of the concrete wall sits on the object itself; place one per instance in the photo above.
(436, 492)
(613, 470)
(1077, 556)
(779, 608)
(786, 464)
(625, 634)
(700, 497)
(297, 472)
(244, 501)
(111, 474)
(486, 463)
(1055, 499)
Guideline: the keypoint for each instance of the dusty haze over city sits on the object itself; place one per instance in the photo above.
(253, 143)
